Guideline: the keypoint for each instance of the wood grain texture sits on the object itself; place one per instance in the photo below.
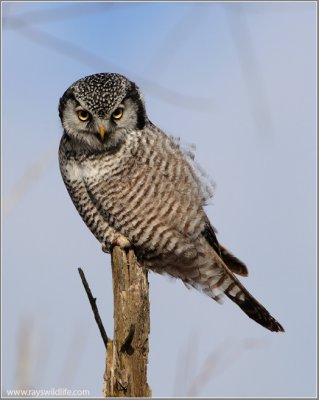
(127, 354)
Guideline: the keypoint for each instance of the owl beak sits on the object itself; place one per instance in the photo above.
(102, 132)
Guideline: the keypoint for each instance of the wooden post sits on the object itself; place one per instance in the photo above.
(127, 354)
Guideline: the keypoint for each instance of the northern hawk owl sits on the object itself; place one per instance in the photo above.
(134, 186)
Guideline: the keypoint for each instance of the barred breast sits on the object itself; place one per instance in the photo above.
(149, 193)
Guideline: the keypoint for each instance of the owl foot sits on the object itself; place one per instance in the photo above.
(121, 241)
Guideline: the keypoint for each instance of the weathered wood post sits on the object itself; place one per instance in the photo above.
(127, 354)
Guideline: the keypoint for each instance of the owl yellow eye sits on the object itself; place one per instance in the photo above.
(117, 114)
(83, 115)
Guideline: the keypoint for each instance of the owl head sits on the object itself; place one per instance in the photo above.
(99, 110)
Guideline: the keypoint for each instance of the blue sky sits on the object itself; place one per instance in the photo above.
(239, 81)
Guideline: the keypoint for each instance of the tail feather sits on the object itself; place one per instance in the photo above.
(235, 291)
(213, 277)
(212, 274)
(254, 310)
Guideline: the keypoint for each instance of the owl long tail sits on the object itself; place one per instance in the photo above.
(212, 276)
(227, 283)
(254, 309)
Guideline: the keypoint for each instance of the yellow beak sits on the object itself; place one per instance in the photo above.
(102, 132)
